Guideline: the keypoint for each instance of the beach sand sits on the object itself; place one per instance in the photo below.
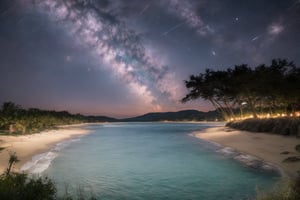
(268, 147)
(26, 146)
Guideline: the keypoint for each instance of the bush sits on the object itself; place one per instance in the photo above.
(282, 126)
(288, 190)
(298, 148)
(16, 186)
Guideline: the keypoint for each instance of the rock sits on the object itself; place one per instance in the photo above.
(250, 161)
(292, 159)
(285, 152)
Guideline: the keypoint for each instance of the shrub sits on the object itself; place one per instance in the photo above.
(282, 126)
(19, 186)
(287, 190)
(297, 147)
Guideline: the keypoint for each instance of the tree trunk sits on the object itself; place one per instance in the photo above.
(252, 107)
(219, 107)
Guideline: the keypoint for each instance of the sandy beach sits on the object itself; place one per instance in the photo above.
(26, 146)
(270, 148)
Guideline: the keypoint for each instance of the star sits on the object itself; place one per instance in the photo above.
(68, 58)
(255, 38)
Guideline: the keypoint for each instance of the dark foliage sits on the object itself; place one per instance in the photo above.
(282, 126)
(286, 190)
(267, 89)
(17, 186)
(15, 119)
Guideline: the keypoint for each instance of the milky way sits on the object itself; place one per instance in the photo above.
(125, 58)
(110, 40)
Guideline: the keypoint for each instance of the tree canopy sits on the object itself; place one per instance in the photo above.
(15, 119)
(261, 89)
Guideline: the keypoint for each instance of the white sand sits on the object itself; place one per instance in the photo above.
(268, 147)
(26, 146)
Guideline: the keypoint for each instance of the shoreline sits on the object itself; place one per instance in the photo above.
(28, 146)
(259, 148)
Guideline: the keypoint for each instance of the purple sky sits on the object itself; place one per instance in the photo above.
(127, 57)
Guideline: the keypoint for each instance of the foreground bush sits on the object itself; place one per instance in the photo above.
(288, 190)
(19, 186)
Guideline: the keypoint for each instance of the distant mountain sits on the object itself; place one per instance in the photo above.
(100, 119)
(184, 115)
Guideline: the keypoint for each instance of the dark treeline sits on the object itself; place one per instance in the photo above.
(241, 90)
(15, 119)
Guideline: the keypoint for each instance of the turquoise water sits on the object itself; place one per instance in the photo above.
(152, 161)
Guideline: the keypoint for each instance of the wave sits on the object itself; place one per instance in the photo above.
(40, 162)
(248, 160)
(228, 151)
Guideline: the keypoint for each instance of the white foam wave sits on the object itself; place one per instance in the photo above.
(247, 160)
(41, 162)
(250, 161)
(228, 151)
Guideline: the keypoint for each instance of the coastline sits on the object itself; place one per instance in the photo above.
(28, 146)
(265, 148)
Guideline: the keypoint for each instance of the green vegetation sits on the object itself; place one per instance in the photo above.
(286, 190)
(282, 126)
(19, 186)
(297, 148)
(17, 120)
(262, 91)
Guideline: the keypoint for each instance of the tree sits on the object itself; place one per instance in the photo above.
(18, 186)
(12, 160)
(266, 87)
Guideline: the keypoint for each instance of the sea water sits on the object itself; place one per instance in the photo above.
(149, 161)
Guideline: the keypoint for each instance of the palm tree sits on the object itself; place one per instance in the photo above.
(13, 158)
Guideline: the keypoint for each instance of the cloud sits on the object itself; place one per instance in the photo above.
(114, 44)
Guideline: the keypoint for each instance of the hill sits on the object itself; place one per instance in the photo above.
(91, 119)
(184, 115)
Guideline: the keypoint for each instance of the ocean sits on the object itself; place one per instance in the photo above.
(148, 161)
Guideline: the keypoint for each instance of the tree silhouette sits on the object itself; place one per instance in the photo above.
(264, 88)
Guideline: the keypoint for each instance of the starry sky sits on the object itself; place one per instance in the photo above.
(123, 58)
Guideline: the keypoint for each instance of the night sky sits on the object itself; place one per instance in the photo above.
(127, 57)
